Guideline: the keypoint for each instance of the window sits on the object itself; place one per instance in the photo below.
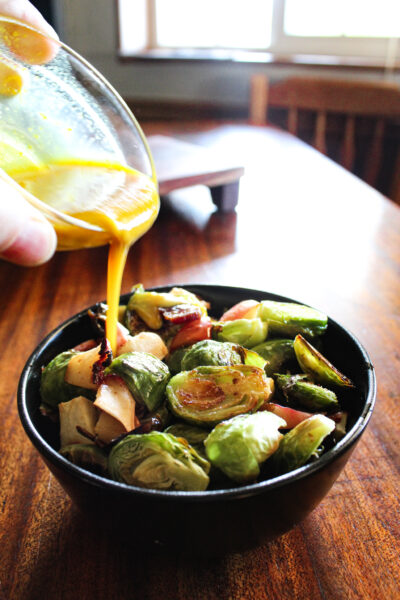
(366, 28)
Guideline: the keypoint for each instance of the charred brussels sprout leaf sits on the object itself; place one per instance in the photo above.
(145, 375)
(208, 395)
(297, 446)
(87, 456)
(246, 332)
(276, 352)
(53, 387)
(289, 319)
(210, 352)
(309, 395)
(238, 446)
(316, 366)
(158, 461)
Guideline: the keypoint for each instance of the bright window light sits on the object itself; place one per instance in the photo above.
(214, 23)
(336, 18)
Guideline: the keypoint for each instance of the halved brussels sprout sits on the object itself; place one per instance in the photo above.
(210, 352)
(276, 352)
(53, 387)
(317, 366)
(158, 461)
(246, 332)
(310, 395)
(297, 446)
(145, 375)
(240, 445)
(289, 319)
(174, 360)
(146, 304)
(87, 456)
(208, 395)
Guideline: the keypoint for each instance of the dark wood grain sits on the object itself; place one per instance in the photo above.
(305, 228)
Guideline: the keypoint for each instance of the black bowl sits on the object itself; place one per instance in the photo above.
(211, 522)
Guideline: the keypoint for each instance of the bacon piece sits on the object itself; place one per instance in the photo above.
(181, 313)
(104, 360)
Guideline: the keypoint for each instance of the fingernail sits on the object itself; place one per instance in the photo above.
(35, 244)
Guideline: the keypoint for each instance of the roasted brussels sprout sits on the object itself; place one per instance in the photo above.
(297, 446)
(316, 366)
(246, 332)
(159, 461)
(309, 395)
(238, 446)
(276, 352)
(210, 352)
(174, 360)
(87, 456)
(194, 435)
(289, 319)
(208, 395)
(53, 387)
(147, 304)
(145, 375)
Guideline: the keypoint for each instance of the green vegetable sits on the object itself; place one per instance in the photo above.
(87, 456)
(174, 360)
(276, 352)
(246, 332)
(159, 461)
(146, 304)
(309, 395)
(194, 435)
(53, 387)
(145, 375)
(207, 395)
(240, 445)
(297, 446)
(210, 352)
(288, 319)
(316, 366)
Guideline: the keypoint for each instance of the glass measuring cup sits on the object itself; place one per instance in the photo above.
(70, 141)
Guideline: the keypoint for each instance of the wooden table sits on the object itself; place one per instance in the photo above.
(304, 228)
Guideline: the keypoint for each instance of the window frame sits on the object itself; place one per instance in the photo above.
(376, 50)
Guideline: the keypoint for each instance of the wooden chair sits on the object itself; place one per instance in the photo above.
(353, 99)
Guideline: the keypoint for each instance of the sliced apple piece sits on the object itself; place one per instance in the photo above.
(146, 341)
(114, 398)
(78, 411)
(79, 370)
(108, 428)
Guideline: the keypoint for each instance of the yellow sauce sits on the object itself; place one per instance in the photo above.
(121, 201)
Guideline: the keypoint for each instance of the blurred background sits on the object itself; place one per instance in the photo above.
(190, 60)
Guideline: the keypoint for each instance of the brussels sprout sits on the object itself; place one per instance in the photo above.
(145, 375)
(146, 304)
(289, 319)
(240, 445)
(249, 357)
(87, 456)
(53, 387)
(159, 461)
(207, 395)
(310, 395)
(297, 446)
(316, 366)
(276, 352)
(210, 352)
(174, 360)
(246, 332)
(194, 436)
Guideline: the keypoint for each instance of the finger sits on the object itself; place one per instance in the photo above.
(31, 46)
(26, 237)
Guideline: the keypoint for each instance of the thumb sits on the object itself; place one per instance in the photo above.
(26, 237)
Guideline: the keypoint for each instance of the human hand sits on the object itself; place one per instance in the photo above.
(26, 237)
